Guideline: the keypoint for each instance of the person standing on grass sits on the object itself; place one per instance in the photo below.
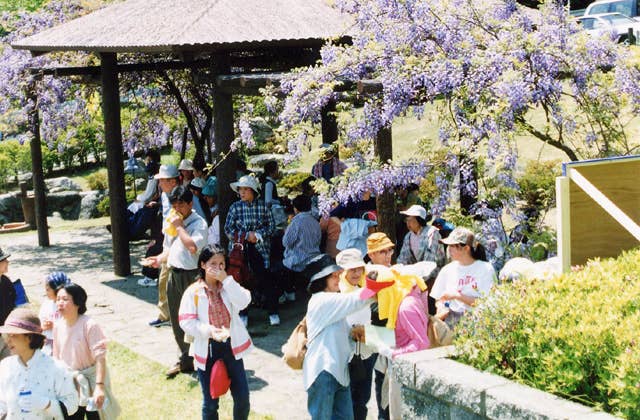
(32, 384)
(168, 179)
(249, 221)
(182, 259)
(210, 312)
(79, 342)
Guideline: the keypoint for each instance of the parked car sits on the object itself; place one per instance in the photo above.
(625, 7)
(617, 23)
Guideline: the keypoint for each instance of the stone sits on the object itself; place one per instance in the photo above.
(65, 202)
(516, 401)
(55, 185)
(456, 383)
(416, 405)
(10, 208)
(89, 203)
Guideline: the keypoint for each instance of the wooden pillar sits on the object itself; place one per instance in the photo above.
(385, 203)
(36, 167)
(223, 136)
(329, 123)
(115, 169)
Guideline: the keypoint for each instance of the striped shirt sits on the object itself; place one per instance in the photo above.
(245, 217)
(301, 241)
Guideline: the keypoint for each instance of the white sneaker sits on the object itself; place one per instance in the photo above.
(291, 296)
(147, 282)
(245, 320)
(274, 319)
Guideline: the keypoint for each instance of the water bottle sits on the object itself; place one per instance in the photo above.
(23, 393)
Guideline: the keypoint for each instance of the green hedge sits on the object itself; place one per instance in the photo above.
(575, 336)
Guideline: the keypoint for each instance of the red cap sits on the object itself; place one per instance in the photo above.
(372, 287)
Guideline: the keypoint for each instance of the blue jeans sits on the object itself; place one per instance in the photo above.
(239, 386)
(361, 390)
(328, 400)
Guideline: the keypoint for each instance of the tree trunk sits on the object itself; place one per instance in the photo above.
(385, 203)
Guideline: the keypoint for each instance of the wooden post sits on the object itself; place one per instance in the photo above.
(563, 220)
(223, 136)
(329, 123)
(36, 167)
(115, 170)
(385, 203)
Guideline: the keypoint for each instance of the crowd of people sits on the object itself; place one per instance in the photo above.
(357, 281)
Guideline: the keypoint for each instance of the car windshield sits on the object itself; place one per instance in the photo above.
(618, 19)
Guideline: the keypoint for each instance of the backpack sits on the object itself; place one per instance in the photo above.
(295, 349)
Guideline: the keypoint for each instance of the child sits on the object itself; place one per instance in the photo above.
(48, 310)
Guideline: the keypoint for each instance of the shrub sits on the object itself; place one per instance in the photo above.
(292, 181)
(537, 184)
(574, 336)
(98, 180)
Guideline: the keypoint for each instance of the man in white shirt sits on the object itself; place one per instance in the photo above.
(182, 259)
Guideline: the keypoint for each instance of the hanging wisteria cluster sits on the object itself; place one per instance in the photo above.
(484, 66)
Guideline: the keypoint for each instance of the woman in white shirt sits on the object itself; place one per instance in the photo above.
(467, 277)
(32, 384)
(49, 309)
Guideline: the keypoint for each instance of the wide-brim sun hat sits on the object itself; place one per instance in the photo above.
(167, 172)
(459, 236)
(185, 165)
(22, 321)
(350, 258)
(416, 211)
(378, 241)
(3, 255)
(324, 272)
(248, 181)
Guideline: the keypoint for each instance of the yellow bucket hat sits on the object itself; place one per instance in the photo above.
(378, 241)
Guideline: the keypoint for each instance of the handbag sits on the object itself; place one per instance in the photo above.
(357, 369)
(238, 267)
(219, 381)
(439, 332)
(295, 349)
(21, 294)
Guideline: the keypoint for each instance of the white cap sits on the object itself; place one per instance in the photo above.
(167, 172)
(197, 183)
(185, 165)
(415, 210)
(350, 258)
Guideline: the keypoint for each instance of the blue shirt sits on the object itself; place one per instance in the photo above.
(301, 241)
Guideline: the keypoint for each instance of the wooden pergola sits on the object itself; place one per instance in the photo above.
(233, 40)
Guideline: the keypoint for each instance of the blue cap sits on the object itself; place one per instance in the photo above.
(57, 279)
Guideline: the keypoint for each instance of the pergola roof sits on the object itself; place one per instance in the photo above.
(165, 26)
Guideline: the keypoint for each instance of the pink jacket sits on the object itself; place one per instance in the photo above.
(412, 323)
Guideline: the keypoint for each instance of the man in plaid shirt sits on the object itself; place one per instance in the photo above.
(250, 221)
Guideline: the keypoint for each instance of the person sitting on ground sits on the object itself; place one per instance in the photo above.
(7, 297)
(186, 172)
(329, 165)
(466, 278)
(209, 312)
(49, 314)
(422, 242)
(329, 344)
(32, 384)
(301, 243)
(352, 279)
(188, 235)
(249, 221)
(79, 342)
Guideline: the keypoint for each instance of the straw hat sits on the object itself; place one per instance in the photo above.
(378, 241)
(22, 321)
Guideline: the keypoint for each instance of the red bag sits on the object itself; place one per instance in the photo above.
(219, 381)
(237, 266)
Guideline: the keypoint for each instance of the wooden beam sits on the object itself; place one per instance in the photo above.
(563, 222)
(120, 68)
(40, 198)
(115, 169)
(223, 135)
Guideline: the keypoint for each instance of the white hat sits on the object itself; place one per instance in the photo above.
(185, 165)
(415, 210)
(249, 181)
(197, 183)
(350, 258)
(167, 172)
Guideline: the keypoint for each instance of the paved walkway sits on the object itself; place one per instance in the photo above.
(123, 309)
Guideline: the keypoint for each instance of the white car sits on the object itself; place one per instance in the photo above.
(597, 25)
